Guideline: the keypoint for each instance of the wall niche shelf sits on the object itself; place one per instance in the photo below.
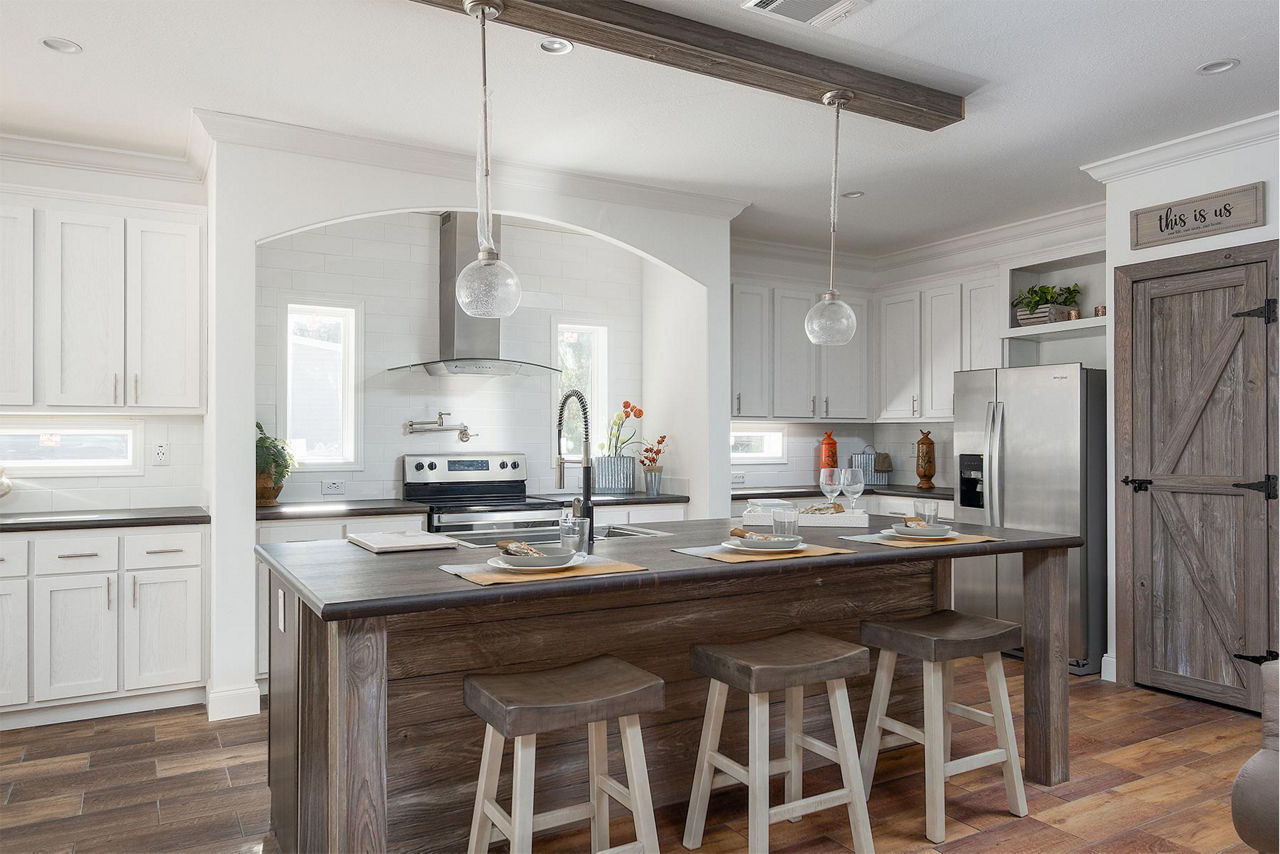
(1066, 330)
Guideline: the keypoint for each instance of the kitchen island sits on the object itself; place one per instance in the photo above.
(372, 748)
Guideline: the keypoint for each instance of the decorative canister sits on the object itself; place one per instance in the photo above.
(652, 481)
(925, 464)
(1099, 311)
(828, 452)
(613, 475)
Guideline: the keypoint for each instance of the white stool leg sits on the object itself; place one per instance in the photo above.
(847, 751)
(486, 790)
(794, 728)
(1005, 735)
(701, 794)
(638, 784)
(875, 712)
(948, 692)
(598, 767)
(522, 796)
(758, 773)
(935, 818)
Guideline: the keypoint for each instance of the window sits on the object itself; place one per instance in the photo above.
(319, 401)
(757, 444)
(582, 355)
(70, 447)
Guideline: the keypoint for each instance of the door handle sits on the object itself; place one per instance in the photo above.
(986, 465)
(997, 440)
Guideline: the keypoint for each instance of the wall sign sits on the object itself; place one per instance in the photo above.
(1187, 219)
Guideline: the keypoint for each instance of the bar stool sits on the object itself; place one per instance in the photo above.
(787, 663)
(938, 639)
(521, 705)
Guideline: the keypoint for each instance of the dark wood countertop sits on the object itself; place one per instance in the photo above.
(69, 520)
(341, 581)
(900, 490)
(295, 510)
(619, 499)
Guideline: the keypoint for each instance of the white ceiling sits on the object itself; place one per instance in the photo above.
(1051, 84)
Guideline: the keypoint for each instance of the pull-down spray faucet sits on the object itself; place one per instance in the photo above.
(582, 507)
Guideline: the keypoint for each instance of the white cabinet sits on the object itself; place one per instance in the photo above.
(751, 361)
(13, 641)
(900, 356)
(940, 353)
(17, 317)
(846, 370)
(981, 324)
(795, 367)
(74, 634)
(162, 298)
(160, 636)
(82, 299)
(639, 514)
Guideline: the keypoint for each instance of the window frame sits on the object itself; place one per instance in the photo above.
(599, 408)
(737, 427)
(62, 423)
(354, 367)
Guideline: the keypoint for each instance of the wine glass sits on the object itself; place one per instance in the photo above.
(852, 484)
(829, 483)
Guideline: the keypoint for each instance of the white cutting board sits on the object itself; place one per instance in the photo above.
(401, 541)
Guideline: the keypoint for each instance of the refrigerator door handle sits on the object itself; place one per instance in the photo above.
(986, 465)
(993, 486)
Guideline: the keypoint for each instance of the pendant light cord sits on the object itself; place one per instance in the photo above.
(484, 222)
(835, 200)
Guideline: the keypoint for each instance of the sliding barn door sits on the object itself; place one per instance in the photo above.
(1200, 555)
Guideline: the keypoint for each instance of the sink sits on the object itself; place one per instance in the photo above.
(613, 532)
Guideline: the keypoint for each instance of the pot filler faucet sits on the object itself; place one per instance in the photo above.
(582, 507)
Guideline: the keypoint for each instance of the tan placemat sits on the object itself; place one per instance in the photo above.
(484, 575)
(896, 542)
(725, 555)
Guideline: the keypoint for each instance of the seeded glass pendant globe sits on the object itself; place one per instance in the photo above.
(488, 287)
(831, 321)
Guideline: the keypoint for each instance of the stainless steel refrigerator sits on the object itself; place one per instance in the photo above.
(1030, 453)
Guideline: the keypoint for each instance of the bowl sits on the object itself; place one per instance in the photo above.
(551, 556)
(938, 531)
(770, 544)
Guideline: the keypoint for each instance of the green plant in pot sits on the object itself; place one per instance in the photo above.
(274, 464)
(1045, 304)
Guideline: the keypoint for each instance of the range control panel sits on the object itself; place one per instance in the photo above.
(464, 468)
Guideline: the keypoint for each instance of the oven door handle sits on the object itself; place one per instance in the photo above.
(490, 517)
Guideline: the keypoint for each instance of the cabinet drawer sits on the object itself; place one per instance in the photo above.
(147, 551)
(301, 533)
(13, 558)
(385, 524)
(76, 554)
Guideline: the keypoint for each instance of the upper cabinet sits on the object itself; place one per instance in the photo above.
(846, 371)
(162, 299)
(982, 312)
(795, 358)
(17, 317)
(940, 350)
(900, 356)
(752, 363)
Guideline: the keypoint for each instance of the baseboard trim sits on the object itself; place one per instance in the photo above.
(1108, 668)
(78, 711)
(233, 702)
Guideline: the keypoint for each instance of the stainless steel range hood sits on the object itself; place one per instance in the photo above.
(468, 345)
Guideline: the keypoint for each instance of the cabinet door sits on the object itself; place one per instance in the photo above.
(846, 371)
(82, 297)
(795, 358)
(160, 636)
(13, 641)
(656, 513)
(17, 320)
(74, 637)
(981, 326)
(162, 308)
(264, 618)
(752, 308)
(900, 356)
(940, 330)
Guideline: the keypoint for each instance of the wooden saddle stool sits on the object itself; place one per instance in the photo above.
(787, 663)
(938, 639)
(521, 705)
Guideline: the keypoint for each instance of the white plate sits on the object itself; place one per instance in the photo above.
(892, 533)
(499, 563)
(798, 547)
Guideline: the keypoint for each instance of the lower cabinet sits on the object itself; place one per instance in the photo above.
(74, 638)
(639, 514)
(160, 638)
(13, 641)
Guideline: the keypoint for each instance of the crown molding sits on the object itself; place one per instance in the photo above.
(386, 154)
(1186, 149)
(94, 158)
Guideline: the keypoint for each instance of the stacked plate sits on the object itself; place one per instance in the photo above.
(552, 558)
(914, 532)
(772, 545)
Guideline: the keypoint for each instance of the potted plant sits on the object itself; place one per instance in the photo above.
(1045, 304)
(649, 457)
(615, 472)
(274, 464)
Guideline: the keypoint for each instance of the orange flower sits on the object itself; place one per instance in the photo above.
(638, 413)
(626, 404)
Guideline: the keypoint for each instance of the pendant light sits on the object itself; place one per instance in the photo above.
(486, 287)
(831, 321)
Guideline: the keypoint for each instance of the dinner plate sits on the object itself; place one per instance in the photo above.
(730, 544)
(499, 563)
(892, 533)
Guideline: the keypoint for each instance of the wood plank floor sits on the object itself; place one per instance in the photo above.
(1149, 772)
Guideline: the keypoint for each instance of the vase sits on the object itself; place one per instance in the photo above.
(926, 464)
(1043, 314)
(613, 475)
(652, 481)
(268, 491)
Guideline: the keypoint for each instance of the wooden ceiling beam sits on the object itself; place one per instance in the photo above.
(644, 33)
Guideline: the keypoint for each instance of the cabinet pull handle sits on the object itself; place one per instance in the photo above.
(136, 395)
(135, 592)
(163, 551)
(813, 405)
(78, 554)
(739, 403)
(108, 593)
(914, 408)
(826, 406)
(115, 388)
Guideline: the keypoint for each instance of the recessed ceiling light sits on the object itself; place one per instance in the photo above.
(853, 194)
(559, 47)
(62, 45)
(1217, 66)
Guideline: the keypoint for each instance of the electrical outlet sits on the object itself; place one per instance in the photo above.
(333, 487)
(160, 454)
(737, 478)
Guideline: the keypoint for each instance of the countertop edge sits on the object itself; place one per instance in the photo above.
(128, 519)
(301, 511)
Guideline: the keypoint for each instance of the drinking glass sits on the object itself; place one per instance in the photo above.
(829, 483)
(573, 533)
(852, 484)
(786, 522)
(927, 510)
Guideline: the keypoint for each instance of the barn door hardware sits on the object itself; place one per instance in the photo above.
(1267, 311)
(1270, 655)
(1267, 486)
(1139, 484)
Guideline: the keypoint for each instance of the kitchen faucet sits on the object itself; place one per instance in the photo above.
(582, 507)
